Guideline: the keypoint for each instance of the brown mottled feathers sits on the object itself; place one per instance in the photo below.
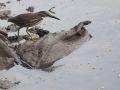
(27, 19)
(30, 19)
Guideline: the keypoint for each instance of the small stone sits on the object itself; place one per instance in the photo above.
(8, 2)
(30, 9)
(2, 5)
(93, 68)
(88, 63)
(6, 84)
(3, 32)
(39, 31)
(12, 28)
(5, 14)
(6, 63)
(18, 0)
(97, 56)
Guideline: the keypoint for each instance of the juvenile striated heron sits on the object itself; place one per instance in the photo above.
(30, 19)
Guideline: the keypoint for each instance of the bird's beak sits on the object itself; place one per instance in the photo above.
(54, 17)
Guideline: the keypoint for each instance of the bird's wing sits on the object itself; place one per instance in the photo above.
(24, 17)
(27, 19)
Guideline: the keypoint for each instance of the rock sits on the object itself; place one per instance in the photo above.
(12, 28)
(4, 50)
(5, 14)
(2, 5)
(8, 2)
(14, 39)
(30, 9)
(39, 31)
(33, 37)
(33, 30)
(6, 84)
(3, 38)
(18, 0)
(3, 33)
(7, 52)
(47, 50)
(6, 63)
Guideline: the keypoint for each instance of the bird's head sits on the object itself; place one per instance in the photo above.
(47, 14)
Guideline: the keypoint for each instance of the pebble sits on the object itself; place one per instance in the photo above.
(5, 14)
(30, 9)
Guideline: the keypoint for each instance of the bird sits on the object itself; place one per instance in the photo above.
(30, 19)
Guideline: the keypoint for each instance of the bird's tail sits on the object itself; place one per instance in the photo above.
(10, 19)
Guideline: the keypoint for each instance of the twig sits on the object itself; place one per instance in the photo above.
(50, 10)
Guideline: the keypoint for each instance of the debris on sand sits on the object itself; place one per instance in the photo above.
(6, 84)
(45, 50)
(39, 31)
(30, 9)
(8, 2)
(18, 0)
(5, 14)
(42, 32)
(2, 5)
(12, 28)
(6, 62)
(52, 47)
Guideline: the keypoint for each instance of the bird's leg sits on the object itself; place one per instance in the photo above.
(18, 33)
(28, 32)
